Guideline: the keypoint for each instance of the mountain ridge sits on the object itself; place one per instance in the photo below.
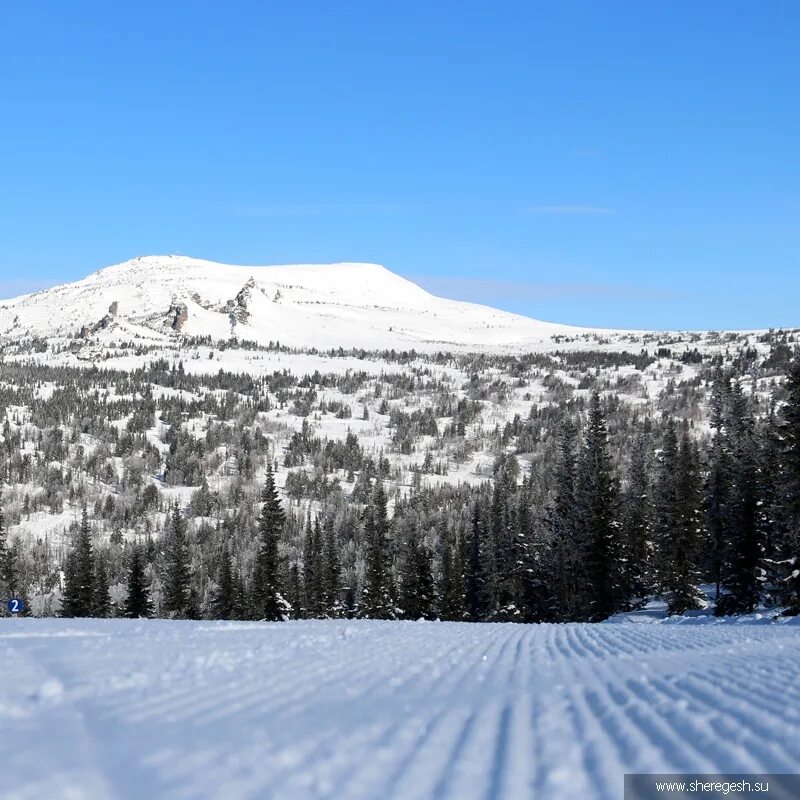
(348, 304)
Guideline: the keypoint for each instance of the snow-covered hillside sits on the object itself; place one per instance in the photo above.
(364, 710)
(334, 305)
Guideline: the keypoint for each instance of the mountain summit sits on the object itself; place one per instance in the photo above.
(303, 305)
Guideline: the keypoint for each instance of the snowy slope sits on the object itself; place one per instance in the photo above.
(347, 305)
(365, 710)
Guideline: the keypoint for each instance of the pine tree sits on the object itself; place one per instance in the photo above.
(177, 578)
(331, 573)
(312, 569)
(473, 577)
(318, 584)
(568, 566)
(451, 582)
(718, 483)
(790, 481)
(681, 573)
(241, 607)
(459, 571)
(101, 599)
(9, 571)
(267, 590)
(222, 598)
(770, 489)
(193, 610)
(597, 494)
(137, 602)
(376, 595)
(503, 595)
(666, 512)
(533, 573)
(201, 501)
(446, 582)
(417, 591)
(744, 522)
(5, 588)
(78, 598)
(637, 526)
(11, 574)
(295, 593)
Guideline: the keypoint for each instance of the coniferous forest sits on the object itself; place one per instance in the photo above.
(446, 488)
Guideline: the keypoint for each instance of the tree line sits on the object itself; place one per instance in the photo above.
(684, 511)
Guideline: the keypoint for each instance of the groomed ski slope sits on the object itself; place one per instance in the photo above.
(348, 710)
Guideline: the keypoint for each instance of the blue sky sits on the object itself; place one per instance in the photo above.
(616, 163)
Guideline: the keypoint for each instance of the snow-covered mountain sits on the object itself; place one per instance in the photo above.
(330, 305)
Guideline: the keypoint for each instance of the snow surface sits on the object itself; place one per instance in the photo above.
(329, 305)
(367, 710)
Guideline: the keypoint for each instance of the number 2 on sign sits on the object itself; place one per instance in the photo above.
(15, 605)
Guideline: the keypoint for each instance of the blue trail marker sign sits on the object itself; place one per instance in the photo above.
(15, 605)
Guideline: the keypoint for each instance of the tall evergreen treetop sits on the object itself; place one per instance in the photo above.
(78, 599)
(177, 578)
(597, 496)
(790, 478)
(376, 595)
(101, 597)
(137, 602)
(223, 598)
(267, 591)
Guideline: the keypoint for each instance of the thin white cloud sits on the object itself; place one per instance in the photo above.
(568, 210)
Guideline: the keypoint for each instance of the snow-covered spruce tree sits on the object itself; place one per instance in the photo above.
(10, 580)
(474, 593)
(446, 582)
(176, 580)
(770, 489)
(666, 513)
(376, 594)
(137, 603)
(459, 570)
(78, 599)
(597, 494)
(294, 599)
(566, 556)
(222, 597)
(101, 598)
(451, 583)
(5, 589)
(318, 584)
(8, 571)
(533, 563)
(417, 598)
(681, 574)
(16, 575)
(242, 607)
(637, 530)
(491, 565)
(718, 483)
(312, 570)
(504, 587)
(267, 594)
(790, 481)
(744, 523)
(331, 573)
(202, 504)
